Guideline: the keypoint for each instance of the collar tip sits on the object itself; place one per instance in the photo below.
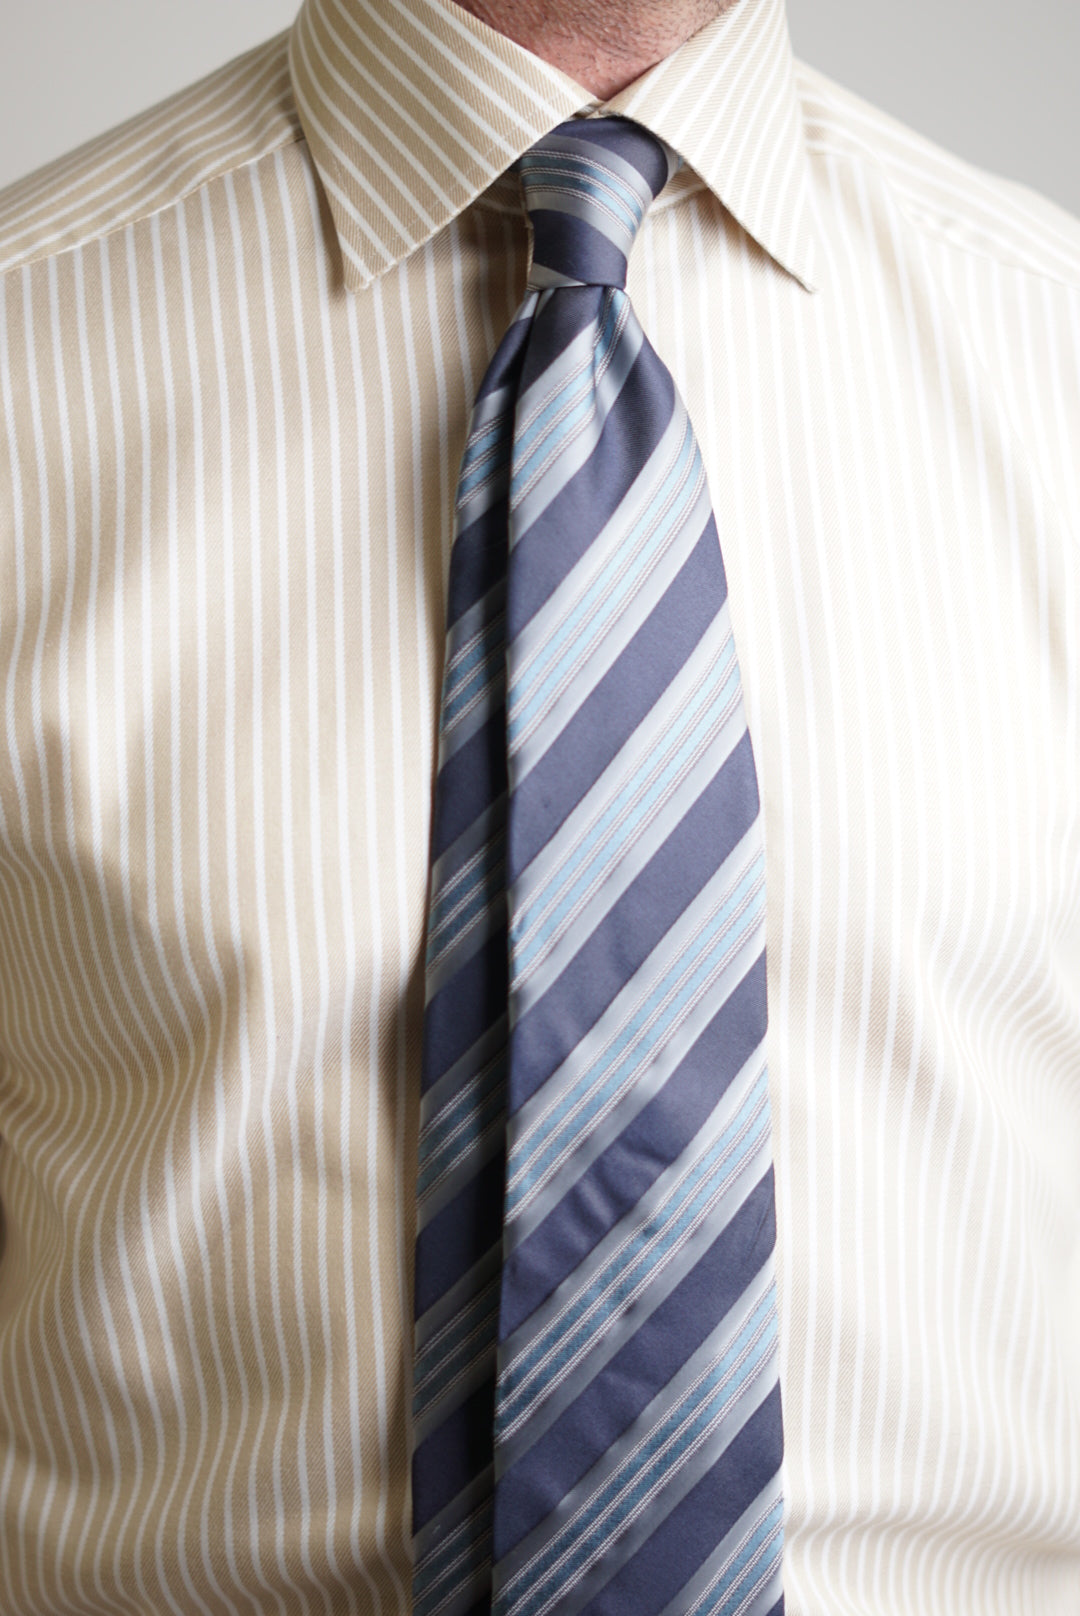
(356, 280)
(356, 273)
(805, 266)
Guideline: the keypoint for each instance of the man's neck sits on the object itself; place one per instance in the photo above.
(602, 44)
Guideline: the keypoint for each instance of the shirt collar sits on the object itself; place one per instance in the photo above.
(412, 108)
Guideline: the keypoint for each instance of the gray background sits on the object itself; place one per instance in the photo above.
(994, 80)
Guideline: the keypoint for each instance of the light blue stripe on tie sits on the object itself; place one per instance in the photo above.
(538, 883)
(453, 905)
(453, 1343)
(573, 447)
(630, 511)
(584, 180)
(643, 1079)
(536, 1156)
(453, 1576)
(663, 1460)
(474, 1365)
(472, 669)
(564, 387)
(460, 1127)
(640, 1478)
(742, 1575)
(470, 930)
(560, 1333)
(742, 1178)
(563, 905)
(603, 613)
(702, 941)
(601, 599)
(572, 157)
(488, 824)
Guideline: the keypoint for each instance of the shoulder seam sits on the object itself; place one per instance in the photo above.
(294, 137)
(925, 217)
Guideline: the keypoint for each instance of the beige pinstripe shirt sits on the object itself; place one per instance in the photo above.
(239, 339)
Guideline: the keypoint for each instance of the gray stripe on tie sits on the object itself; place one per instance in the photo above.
(567, 453)
(722, 734)
(491, 490)
(460, 1115)
(446, 1344)
(539, 709)
(747, 1383)
(482, 706)
(763, 1568)
(453, 1180)
(455, 954)
(472, 623)
(462, 1119)
(740, 1183)
(493, 407)
(466, 1594)
(545, 1333)
(635, 1094)
(451, 860)
(561, 173)
(458, 1296)
(637, 759)
(456, 1520)
(555, 198)
(449, 902)
(591, 1053)
(472, 1374)
(464, 1069)
(454, 1516)
(536, 634)
(603, 161)
(493, 419)
(543, 278)
(555, 666)
(573, 364)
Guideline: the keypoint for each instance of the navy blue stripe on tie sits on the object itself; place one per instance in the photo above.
(561, 320)
(622, 1388)
(462, 1011)
(612, 1185)
(554, 544)
(656, 1573)
(614, 708)
(451, 1455)
(461, 1232)
(609, 957)
(475, 775)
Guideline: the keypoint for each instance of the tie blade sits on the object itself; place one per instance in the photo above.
(597, 1419)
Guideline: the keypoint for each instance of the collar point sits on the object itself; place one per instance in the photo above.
(802, 259)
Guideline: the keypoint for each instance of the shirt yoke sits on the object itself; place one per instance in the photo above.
(233, 116)
(943, 194)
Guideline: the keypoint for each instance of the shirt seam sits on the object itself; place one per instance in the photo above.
(933, 224)
(31, 257)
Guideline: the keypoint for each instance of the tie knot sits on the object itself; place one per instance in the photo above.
(588, 185)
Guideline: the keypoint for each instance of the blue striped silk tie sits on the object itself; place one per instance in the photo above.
(597, 1424)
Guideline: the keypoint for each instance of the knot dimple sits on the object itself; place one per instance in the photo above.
(588, 185)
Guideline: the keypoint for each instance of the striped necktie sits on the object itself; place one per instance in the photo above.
(597, 1423)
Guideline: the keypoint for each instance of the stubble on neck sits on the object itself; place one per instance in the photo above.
(603, 44)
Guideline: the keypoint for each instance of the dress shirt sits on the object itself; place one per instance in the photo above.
(239, 342)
